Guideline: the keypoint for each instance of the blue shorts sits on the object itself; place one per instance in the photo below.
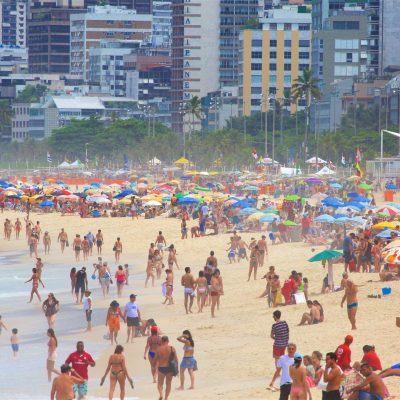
(15, 346)
(352, 305)
(81, 389)
(364, 395)
(189, 363)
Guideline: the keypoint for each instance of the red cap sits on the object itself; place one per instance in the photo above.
(348, 339)
(154, 329)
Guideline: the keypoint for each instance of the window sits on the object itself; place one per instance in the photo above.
(304, 55)
(288, 43)
(321, 43)
(256, 90)
(287, 67)
(272, 43)
(272, 27)
(346, 25)
(348, 44)
(349, 57)
(256, 54)
(256, 66)
(255, 79)
(304, 27)
(346, 70)
(287, 27)
(272, 79)
(272, 67)
(302, 67)
(255, 102)
(304, 43)
(272, 54)
(287, 79)
(287, 55)
(256, 43)
(272, 90)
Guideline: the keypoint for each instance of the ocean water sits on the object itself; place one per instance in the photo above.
(25, 377)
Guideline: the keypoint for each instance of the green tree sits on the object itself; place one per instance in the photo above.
(193, 109)
(31, 94)
(306, 87)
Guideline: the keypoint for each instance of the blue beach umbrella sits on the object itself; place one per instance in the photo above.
(46, 203)
(325, 218)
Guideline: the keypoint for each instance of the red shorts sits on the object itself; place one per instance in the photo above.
(278, 351)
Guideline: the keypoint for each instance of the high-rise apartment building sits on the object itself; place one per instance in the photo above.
(101, 23)
(162, 23)
(234, 15)
(13, 15)
(272, 58)
(48, 38)
(195, 53)
(141, 6)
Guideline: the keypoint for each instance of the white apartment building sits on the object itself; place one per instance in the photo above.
(101, 23)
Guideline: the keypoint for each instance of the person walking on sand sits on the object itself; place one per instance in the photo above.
(81, 284)
(120, 278)
(105, 279)
(46, 242)
(332, 376)
(17, 227)
(14, 342)
(202, 288)
(35, 279)
(189, 284)
(118, 373)
(152, 343)
(160, 242)
(280, 335)
(132, 317)
(99, 242)
(216, 291)
(298, 373)
(282, 369)
(114, 314)
(169, 287)
(164, 355)
(88, 308)
(62, 388)
(172, 257)
(350, 296)
(117, 249)
(62, 239)
(80, 361)
(77, 247)
(254, 258)
(51, 353)
(188, 361)
(150, 271)
(50, 307)
(262, 250)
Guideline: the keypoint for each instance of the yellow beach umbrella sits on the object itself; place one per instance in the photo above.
(256, 216)
(386, 224)
(182, 161)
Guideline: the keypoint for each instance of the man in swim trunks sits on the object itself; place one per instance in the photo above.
(163, 356)
(62, 388)
(333, 376)
(376, 390)
(80, 361)
(160, 242)
(313, 317)
(189, 284)
(262, 250)
(63, 239)
(350, 296)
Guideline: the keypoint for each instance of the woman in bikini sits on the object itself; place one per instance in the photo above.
(215, 291)
(51, 353)
(17, 227)
(202, 287)
(85, 248)
(35, 279)
(149, 271)
(46, 242)
(120, 277)
(113, 320)
(117, 249)
(169, 287)
(153, 341)
(158, 264)
(298, 373)
(188, 361)
(118, 372)
(254, 257)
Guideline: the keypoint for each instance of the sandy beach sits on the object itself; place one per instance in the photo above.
(234, 350)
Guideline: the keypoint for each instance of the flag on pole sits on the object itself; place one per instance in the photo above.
(343, 160)
(358, 156)
(126, 162)
(254, 154)
(49, 159)
(359, 171)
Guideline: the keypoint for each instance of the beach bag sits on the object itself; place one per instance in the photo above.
(271, 237)
(173, 366)
(278, 298)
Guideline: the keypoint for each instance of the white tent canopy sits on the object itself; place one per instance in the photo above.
(315, 160)
(65, 164)
(326, 171)
(290, 171)
(155, 161)
(270, 161)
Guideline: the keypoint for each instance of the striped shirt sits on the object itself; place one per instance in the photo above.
(280, 331)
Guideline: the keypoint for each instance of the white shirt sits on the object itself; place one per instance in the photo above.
(204, 210)
(132, 309)
(285, 362)
(86, 304)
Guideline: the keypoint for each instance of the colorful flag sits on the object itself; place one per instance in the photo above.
(343, 160)
(358, 155)
(359, 171)
(254, 154)
(49, 159)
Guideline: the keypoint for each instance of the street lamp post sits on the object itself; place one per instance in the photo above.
(265, 100)
(86, 155)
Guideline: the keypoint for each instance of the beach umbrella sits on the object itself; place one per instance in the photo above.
(250, 188)
(69, 197)
(335, 185)
(325, 218)
(125, 193)
(313, 181)
(256, 216)
(46, 203)
(386, 224)
(354, 205)
(247, 211)
(270, 211)
(325, 255)
(352, 194)
(185, 178)
(386, 234)
(392, 256)
(188, 200)
(365, 186)
(269, 218)
(292, 197)
(391, 186)
(342, 219)
(332, 202)
(202, 189)
(389, 211)
(182, 161)
(289, 223)
(95, 184)
(152, 203)
(319, 196)
(11, 194)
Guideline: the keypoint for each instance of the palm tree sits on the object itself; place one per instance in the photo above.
(193, 108)
(306, 87)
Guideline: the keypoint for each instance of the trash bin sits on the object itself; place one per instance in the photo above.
(389, 195)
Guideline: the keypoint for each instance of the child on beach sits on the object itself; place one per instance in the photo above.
(15, 342)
